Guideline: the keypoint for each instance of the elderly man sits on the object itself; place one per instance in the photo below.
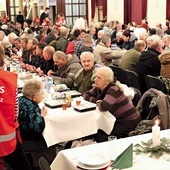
(68, 66)
(149, 63)
(100, 35)
(166, 40)
(131, 57)
(103, 54)
(84, 78)
(12, 36)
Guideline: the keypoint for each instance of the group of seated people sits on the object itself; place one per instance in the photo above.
(81, 63)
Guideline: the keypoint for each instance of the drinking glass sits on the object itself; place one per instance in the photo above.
(78, 101)
(112, 141)
(64, 106)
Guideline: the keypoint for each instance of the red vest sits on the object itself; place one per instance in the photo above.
(8, 123)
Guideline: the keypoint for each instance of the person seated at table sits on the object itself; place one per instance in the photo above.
(39, 60)
(87, 44)
(103, 54)
(32, 124)
(110, 97)
(129, 40)
(48, 64)
(68, 66)
(84, 78)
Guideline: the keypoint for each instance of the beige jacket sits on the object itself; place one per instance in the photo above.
(104, 55)
(165, 64)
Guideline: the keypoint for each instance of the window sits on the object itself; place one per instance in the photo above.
(75, 9)
(13, 10)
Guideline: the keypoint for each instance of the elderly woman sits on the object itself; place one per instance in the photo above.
(32, 124)
(110, 97)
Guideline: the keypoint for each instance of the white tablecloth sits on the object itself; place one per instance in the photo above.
(64, 125)
(67, 159)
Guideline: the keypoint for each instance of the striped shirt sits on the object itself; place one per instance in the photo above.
(114, 101)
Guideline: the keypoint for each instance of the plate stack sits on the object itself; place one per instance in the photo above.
(93, 161)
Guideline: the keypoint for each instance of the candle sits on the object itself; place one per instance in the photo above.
(156, 134)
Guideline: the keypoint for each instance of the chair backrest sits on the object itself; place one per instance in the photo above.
(132, 79)
(43, 164)
(137, 96)
(119, 73)
(155, 82)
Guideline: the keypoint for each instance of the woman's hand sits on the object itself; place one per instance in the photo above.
(98, 102)
(43, 112)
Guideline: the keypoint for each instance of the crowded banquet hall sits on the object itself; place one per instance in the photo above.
(84, 84)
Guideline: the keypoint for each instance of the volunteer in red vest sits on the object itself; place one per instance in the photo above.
(10, 141)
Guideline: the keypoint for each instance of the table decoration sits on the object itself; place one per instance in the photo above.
(156, 134)
(153, 151)
(125, 159)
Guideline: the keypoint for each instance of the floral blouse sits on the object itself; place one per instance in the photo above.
(30, 120)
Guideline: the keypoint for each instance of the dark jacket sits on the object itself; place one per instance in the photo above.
(48, 65)
(20, 18)
(129, 44)
(86, 48)
(148, 64)
(49, 38)
(43, 15)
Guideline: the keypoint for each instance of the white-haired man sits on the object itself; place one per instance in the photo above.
(166, 41)
(84, 78)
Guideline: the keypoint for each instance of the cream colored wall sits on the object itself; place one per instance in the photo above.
(115, 10)
(156, 12)
(3, 5)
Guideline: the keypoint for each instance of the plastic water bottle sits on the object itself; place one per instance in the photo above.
(18, 67)
(49, 85)
(50, 81)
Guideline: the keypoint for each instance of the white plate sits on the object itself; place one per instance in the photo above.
(93, 159)
(93, 167)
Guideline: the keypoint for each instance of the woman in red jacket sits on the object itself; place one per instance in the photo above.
(10, 141)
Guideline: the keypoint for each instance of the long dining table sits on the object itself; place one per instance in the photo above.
(68, 159)
(65, 125)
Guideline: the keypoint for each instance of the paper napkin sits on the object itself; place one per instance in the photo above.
(125, 159)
